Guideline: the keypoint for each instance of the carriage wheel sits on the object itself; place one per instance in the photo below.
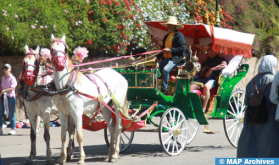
(173, 131)
(126, 139)
(193, 126)
(233, 121)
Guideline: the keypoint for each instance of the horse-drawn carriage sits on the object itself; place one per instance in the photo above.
(180, 112)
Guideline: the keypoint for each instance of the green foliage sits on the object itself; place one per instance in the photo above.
(258, 17)
(28, 22)
(97, 24)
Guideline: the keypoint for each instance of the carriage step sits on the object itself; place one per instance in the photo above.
(147, 130)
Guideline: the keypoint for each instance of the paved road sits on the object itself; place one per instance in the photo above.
(145, 148)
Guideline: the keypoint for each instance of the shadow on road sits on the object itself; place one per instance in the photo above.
(97, 153)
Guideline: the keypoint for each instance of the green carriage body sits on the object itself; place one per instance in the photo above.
(142, 93)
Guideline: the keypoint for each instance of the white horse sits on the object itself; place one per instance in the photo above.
(75, 105)
(43, 106)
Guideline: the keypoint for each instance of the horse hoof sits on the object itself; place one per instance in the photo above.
(81, 162)
(113, 160)
(49, 162)
(59, 163)
(70, 157)
(28, 162)
(107, 159)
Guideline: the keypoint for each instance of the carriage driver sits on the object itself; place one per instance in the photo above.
(174, 47)
(210, 73)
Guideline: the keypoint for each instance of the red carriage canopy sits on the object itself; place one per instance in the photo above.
(224, 40)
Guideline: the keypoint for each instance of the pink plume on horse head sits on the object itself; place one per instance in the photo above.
(80, 53)
(45, 53)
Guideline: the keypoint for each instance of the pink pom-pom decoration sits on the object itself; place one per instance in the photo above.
(80, 53)
(45, 53)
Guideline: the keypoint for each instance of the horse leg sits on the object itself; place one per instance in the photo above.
(118, 127)
(78, 120)
(71, 145)
(63, 155)
(46, 119)
(33, 121)
(111, 124)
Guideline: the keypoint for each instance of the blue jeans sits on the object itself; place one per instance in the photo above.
(166, 65)
(11, 104)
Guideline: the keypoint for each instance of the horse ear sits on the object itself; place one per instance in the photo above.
(64, 38)
(26, 48)
(52, 37)
(37, 49)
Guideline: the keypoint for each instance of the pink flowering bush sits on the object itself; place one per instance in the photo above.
(259, 17)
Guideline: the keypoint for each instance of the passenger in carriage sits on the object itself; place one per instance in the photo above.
(210, 73)
(174, 49)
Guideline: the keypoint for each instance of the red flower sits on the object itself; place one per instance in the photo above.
(108, 47)
(59, 1)
(109, 2)
(105, 19)
(63, 4)
(90, 42)
(85, 43)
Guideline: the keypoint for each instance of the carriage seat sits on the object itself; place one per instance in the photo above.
(233, 65)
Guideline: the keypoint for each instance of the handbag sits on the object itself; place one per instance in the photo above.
(256, 111)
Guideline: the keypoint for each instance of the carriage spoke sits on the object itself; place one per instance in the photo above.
(166, 127)
(176, 145)
(166, 133)
(231, 113)
(122, 141)
(190, 132)
(230, 120)
(126, 135)
(236, 105)
(180, 123)
(178, 118)
(236, 136)
(192, 125)
(173, 117)
(232, 125)
(169, 138)
(232, 132)
(173, 146)
(231, 108)
(168, 123)
(183, 136)
(168, 145)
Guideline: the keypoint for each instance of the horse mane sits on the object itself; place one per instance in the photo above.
(79, 74)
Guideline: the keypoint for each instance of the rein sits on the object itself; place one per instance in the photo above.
(117, 58)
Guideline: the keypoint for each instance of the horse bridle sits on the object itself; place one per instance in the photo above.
(36, 69)
(55, 59)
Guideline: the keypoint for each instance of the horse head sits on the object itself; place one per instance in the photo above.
(59, 52)
(30, 66)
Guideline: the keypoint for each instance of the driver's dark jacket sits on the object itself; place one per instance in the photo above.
(178, 49)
